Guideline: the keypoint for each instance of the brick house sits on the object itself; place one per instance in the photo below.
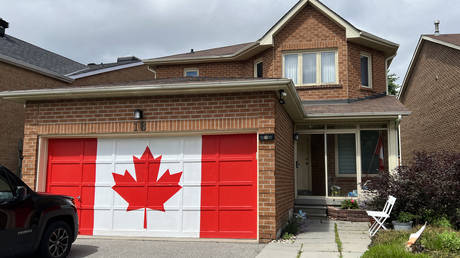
(431, 90)
(299, 117)
(25, 66)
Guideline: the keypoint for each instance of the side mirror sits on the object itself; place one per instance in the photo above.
(21, 193)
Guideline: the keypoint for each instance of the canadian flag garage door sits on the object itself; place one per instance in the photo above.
(194, 186)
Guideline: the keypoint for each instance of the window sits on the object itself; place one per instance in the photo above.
(372, 152)
(311, 68)
(6, 194)
(191, 72)
(346, 154)
(366, 70)
(259, 69)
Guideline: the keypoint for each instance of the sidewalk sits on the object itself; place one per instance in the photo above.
(318, 240)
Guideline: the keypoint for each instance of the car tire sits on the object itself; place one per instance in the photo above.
(56, 241)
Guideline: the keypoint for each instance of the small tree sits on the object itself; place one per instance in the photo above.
(429, 188)
(393, 87)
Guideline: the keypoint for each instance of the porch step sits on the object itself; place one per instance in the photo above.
(312, 211)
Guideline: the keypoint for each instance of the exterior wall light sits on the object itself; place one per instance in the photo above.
(266, 137)
(139, 124)
(283, 94)
(296, 136)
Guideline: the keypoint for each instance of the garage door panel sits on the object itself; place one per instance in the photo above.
(164, 187)
(236, 196)
(236, 171)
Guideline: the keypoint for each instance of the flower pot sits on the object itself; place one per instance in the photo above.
(402, 225)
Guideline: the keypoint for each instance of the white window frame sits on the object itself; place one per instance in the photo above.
(258, 61)
(318, 66)
(186, 70)
(369, 69)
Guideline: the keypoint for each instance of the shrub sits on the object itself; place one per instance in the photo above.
(391, 251)
(442, 222)
(442, 241)
(349, 204)
(405, 217)
(292, 228)
(429, 187)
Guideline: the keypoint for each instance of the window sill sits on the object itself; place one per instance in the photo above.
(321, 86)
(366, 88)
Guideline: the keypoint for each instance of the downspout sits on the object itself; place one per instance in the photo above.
(398, 123)
(386, 70)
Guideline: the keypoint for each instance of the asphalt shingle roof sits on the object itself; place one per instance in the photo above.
(449, 38)
(31, 54)
(96, 67)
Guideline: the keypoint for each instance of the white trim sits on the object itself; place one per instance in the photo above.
(42, 165)
(34, 68)
(415, 55)
(318, 53)
(105, 70)
(256, 62)
(351, 31)
(369, 69)
(187, 70)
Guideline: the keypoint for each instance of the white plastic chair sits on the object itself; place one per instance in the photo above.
(381, 216)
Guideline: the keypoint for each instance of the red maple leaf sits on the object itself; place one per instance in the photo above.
(146, 191)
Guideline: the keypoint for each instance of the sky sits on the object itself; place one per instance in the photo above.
(90, 31)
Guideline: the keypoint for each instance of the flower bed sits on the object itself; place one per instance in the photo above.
(355, 215)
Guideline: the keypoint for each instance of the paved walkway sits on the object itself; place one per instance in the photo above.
(318, 240)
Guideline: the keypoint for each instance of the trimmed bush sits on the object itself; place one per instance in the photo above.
(428, 188)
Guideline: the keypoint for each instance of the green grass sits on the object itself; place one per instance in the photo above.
(436, 241)
(337, 240)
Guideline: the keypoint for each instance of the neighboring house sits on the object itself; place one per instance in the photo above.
(224, 142)
(25, 66)
(431, 90)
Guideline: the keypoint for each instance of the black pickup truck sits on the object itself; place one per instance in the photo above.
(34, 223)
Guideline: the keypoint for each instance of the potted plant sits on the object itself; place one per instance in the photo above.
(404, 221)
(349, 204)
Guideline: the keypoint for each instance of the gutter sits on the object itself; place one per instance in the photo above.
(357, 115)
(34, 68)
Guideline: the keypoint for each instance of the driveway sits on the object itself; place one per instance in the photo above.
(101, 247)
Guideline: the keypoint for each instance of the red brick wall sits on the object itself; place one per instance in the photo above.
(432, 95)
(284, 166)
(12, 114)
(354, 72)
(243, 69)
(204, 114)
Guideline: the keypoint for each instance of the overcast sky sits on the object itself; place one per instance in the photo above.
(100, 31)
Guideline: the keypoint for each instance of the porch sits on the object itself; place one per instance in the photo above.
(335, 161)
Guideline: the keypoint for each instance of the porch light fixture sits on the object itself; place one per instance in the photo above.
(296, 136)
(266, 137)
(283, 94)
(139, 125)
(138, 114)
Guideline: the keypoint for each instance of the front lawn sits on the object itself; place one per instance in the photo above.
(435, 242)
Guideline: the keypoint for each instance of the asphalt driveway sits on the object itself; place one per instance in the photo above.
(98, 247)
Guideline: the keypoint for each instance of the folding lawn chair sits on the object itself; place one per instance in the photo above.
(381, 216)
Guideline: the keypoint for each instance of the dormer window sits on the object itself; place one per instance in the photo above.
(191, 72)
(311, 67)
(366, 70)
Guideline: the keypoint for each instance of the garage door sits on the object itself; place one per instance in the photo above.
(193, 186)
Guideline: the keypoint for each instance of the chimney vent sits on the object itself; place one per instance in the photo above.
(192, 51)
(127, 59)
(3, 26)
(436, 27)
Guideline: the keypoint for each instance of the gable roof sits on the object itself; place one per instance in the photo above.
(247, 49)
(447, 40)
(26, 53)
(93, 69)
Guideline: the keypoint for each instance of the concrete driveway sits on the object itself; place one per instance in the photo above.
(102, 247)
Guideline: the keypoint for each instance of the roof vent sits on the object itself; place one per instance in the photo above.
(3, 26)
(436, 27)
(192, 51)
(91, 64)
(127, 59)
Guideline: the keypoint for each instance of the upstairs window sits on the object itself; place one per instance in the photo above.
(366, 70)
(191, 72)
(311, 68)
(258, 69)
